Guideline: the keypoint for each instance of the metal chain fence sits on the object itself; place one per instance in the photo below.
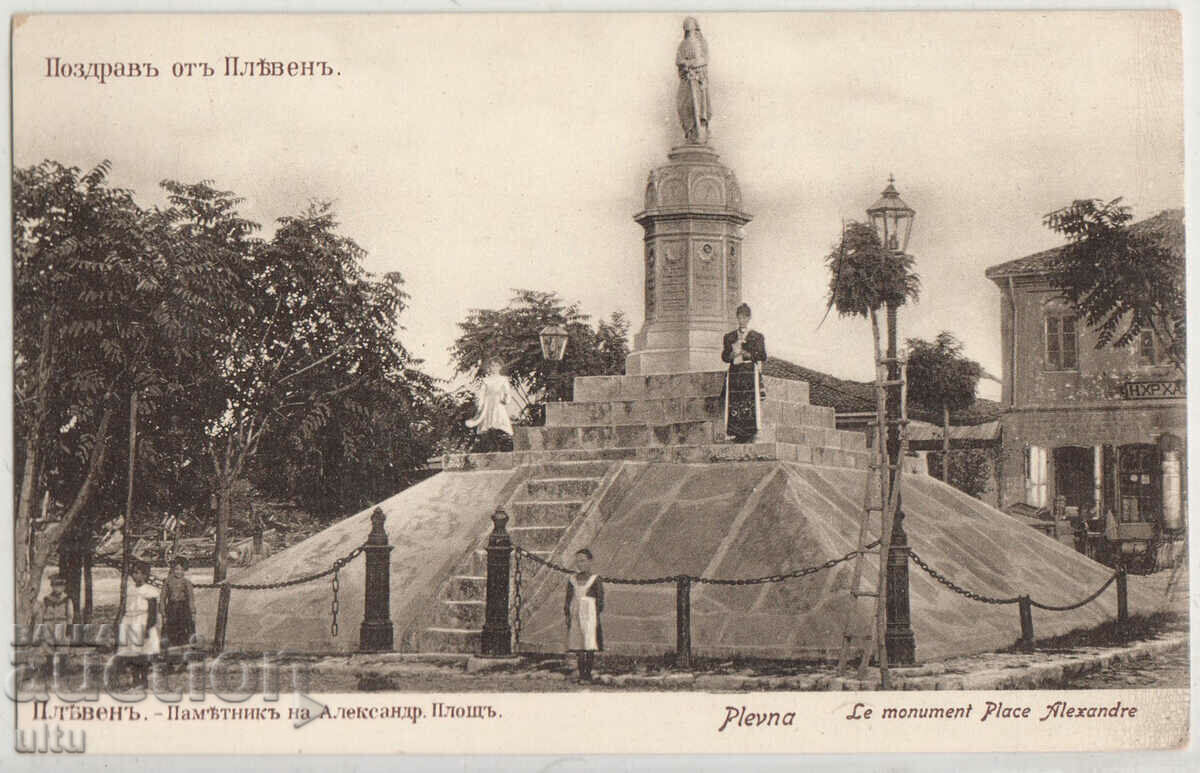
(935, 574)
(335, 582)
(781, 577)
(517, 602)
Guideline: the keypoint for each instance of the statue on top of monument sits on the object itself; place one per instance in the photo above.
(692, 99)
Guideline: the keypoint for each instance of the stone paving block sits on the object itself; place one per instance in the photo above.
(596, 388)
(536, 537)
(460, 614)
(466, 588)
(543, 513)
(539, 489)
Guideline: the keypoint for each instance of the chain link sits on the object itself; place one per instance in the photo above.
(944, 580)
(1077, 605)
(517, 601)
(333, 606)
(1016, 599)
(335, 582)
(795, 573)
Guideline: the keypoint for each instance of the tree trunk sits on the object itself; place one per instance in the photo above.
(87, 587)
(946, 443)
(23, 547)
(224, 513)
(127, 526)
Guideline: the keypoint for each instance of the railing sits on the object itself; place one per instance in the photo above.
(1025, 604)
(503, 612)
(375, 633)
(501, 621)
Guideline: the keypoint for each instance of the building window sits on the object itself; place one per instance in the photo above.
(1147, 348)
(1035, 476)
(1062, 343)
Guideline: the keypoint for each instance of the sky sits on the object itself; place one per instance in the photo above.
(479, 153)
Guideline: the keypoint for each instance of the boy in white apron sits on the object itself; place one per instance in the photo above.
(585, 602)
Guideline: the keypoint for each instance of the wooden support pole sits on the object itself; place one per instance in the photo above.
(683, 622)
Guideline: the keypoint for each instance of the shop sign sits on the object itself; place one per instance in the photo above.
(1154, 390)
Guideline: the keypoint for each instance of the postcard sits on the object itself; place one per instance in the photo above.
(591, 383)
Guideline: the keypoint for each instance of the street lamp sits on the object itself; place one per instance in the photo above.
(554, 344)
(892, 220)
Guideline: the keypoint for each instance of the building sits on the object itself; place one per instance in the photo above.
(1102, 430)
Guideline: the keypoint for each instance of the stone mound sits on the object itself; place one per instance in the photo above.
(648, 519)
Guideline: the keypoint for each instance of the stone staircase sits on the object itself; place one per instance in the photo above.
(540, 514)
(658, 418)
(675, 418)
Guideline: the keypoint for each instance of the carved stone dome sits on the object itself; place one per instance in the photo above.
(693, 181)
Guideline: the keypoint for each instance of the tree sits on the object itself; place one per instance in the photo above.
(310, 339)
(1122, 279)
(864, 275)
(971, 473)
(100, 311)
(511, 334)
(939, 376)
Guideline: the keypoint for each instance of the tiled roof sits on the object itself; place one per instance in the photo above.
(1166, 226)
(859, 397)
(922, 430)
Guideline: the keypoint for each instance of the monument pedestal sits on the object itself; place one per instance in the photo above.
(676, 417)
(693, 222)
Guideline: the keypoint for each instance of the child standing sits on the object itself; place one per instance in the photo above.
(585, 602)
(52, 622)
(178, 605)
(137, 635)
(491, 423)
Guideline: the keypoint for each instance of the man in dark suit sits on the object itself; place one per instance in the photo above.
(744, 344)
(743, 349)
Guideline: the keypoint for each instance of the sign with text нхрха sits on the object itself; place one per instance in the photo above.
(1154, 390)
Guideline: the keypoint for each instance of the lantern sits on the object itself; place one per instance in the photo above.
(892, 218)
(554, 342)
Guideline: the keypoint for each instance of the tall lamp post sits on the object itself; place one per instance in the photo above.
(553, 339)
(892, 220)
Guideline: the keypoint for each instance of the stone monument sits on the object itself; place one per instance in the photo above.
(693, 222)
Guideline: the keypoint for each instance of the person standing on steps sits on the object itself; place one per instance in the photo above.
(584, 603)
(492, 425)
(745, 350)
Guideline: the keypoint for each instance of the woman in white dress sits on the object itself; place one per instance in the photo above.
(492, 424)
(137, 635)
(585, 602)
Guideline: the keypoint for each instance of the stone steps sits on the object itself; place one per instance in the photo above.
(449, 639)
(619, 413)
(466, 587)
(537, 537)
(621, 436)
(477, 563)
(555, 494)
(562, 488)
(831, 456)
(587, 389)
(543, 513)
(460, 613)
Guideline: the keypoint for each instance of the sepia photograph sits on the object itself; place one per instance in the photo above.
(599, 382)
